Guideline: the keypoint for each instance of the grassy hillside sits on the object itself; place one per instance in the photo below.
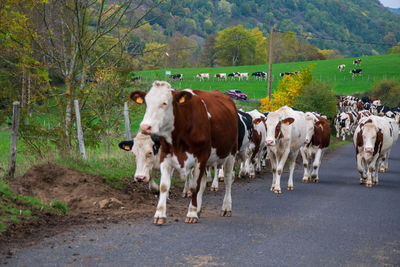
(374, 68)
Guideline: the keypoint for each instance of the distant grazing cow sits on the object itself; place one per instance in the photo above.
(177, 77)
(357, 62)
(373, 139)
(341, 67)
(260, 75)
(288, 73)
(203, 76)
(197, 129)
(233, 75)
(244, 75)
(286, 133)
(356, 72)
(220, 76)
(137, 79)
(317, 141)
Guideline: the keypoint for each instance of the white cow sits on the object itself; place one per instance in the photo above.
(394, 133)
(341, 67)
(286, 133)
(243, 75)
(146, 148)
(373, 139)
(317, 141)
(220, 76)
(203, 76)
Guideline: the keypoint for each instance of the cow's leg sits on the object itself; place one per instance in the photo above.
(192, 215)
(160, 216)
(385, 162)
(273, 161)
(292, 158)
(221, 174)
(305, 164)
(370, 172)
(316, 165)
(279, 169)
(361, 168)
(153, 186)
(187, 193)
(227, 204)
(375, 174)
(214, 186)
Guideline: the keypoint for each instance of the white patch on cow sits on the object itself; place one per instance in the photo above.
(159, 113)
(205, 106)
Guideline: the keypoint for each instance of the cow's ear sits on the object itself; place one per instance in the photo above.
(257, 121)
(182, 97)
(288, 121)
(319, 124)
(126, 145)
(137, 96)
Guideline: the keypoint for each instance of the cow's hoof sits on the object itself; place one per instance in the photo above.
(305, 180)
(221, 179)
(316, 180)
(277, 191)
(252, 176)
(368, 185)
(290, 188)
(214, 189)
(272, 188)
(226, 213)
(382, 170)
(159, 221)
(208, 184)
(191, 220)
(375, 182)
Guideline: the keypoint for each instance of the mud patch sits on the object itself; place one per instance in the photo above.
(88, 200)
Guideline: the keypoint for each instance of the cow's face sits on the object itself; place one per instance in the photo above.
(369, 134)
(145, 150)
(309, 127)
(276, 128)
(158, 118)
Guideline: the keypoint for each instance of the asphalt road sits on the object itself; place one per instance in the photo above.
(336, 222)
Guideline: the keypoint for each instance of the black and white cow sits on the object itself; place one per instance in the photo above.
(356, 72)
(260, 75)
(288, 73)
(341, 67)
(177, 77)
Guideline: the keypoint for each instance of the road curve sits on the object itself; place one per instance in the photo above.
(335, 222)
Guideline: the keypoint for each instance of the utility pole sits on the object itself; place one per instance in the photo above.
(270, 62)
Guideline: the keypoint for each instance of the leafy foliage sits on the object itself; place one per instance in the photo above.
(388, 91)
(395, 49)
(289, 88)
(317, 96)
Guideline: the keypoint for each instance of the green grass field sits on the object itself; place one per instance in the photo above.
(374, 68)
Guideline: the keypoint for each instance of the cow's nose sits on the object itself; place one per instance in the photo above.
(146, 129)
(306, 141)
(368, 149)
(140, 178)
(270, 142)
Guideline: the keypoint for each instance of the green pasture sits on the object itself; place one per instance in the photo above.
(374, 68)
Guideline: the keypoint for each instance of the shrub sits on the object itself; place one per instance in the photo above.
(317, 97)
(388, 91)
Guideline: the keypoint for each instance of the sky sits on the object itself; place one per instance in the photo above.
(391, 3)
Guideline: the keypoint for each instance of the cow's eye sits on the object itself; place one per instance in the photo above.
(149, 154)
(163, 105)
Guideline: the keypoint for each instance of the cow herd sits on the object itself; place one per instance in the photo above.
(354, 72)
(259, 75)
(194, 133)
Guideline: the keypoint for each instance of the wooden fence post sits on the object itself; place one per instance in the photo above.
(14, 138)
(79, 129)
(127, 123)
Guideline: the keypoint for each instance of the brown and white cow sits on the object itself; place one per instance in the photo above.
(197, 129)
(286, 133)
(317, 141)
(203, 76)
(244, 75)
(220, 76)
(372, 139)
(394, 133)
(146, 150)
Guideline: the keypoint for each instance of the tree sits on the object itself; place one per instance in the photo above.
(208, 55)
(72, 48)
(260, 53)
(154, 56)
(235, 46)
(180, 51)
